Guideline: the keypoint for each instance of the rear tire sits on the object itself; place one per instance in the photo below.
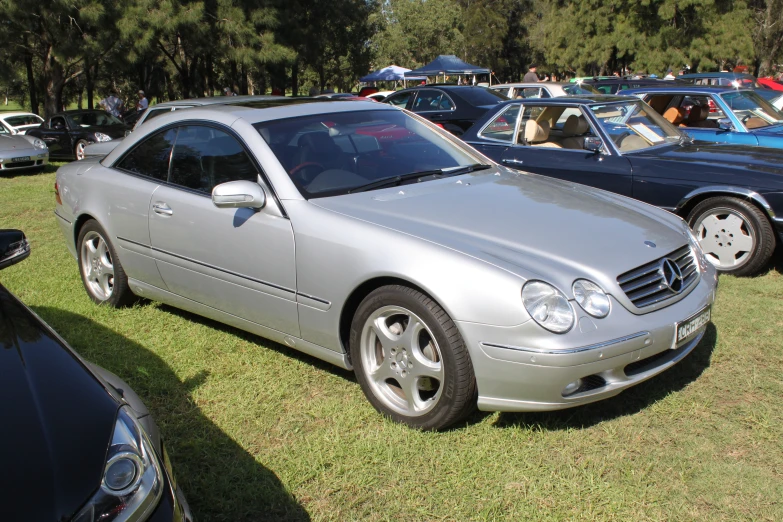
(99, 266)
(736, 236)
(410, 359)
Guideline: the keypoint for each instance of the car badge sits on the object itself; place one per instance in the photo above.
(672, 275)
(650, 244)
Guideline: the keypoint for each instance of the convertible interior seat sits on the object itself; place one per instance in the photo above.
(633, 142)
(674, 115)
(537, 134)
(574, 130)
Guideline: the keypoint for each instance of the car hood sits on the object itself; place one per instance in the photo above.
(9, 143)
(115, 131)
(57, 419)
(530, 225)
(717, 155)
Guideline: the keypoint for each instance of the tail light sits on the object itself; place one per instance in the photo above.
(57, 194)
(713, 107)
(440, 125)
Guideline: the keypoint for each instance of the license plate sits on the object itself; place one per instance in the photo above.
(688, 328)
(20, 158)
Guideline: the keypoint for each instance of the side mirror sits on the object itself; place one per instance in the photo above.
(239, 194)
(593, 144)
(725, 124)
(14, 247)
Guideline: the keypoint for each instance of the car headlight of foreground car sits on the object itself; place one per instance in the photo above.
(132, 481)
(39, 144)
(548, 306)
(591, 298)
(102, 137)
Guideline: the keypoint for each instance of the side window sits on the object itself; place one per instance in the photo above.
(154, 113)
(429, 100)
(399, 100)
(150, 158)
(693, 116)
(204, 157)
(502, 127)
(57, 123)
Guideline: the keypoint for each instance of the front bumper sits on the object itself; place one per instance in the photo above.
(525, 368)
(38, 159)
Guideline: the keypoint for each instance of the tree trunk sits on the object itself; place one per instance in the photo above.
(88, 81)
(28, 61)
(295, 77)
(53, 84)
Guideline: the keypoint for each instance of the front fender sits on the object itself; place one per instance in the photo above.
(728, 190)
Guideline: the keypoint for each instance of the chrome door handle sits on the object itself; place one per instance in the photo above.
(162, 209)
(512, 160)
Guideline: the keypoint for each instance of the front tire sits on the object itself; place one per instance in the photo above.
(734, 234)
(102, 273)
(410, 359)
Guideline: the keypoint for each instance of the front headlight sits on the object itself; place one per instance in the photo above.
(547, 306)
(39, 144)
(132, 481)
(102, 137)
(591, 298)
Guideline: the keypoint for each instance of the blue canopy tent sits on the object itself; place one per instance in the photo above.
(390, 74)
(447, 64)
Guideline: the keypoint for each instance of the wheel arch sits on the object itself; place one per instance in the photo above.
(358, 294)
(695, 197)
(77, 226)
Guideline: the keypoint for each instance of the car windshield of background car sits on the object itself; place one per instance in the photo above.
(331, 154)
(478, 96)
(98, 118)
(580, 88)
(26, 119)
(634, 125)
(753, 110)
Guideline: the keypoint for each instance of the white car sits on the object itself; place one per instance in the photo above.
(543, 89)
(380, 95)
(19, 122)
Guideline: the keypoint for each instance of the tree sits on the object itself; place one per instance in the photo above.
(768, 18)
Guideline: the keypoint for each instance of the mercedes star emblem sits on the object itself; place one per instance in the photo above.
(672, 275)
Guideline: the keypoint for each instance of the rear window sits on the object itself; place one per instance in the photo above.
(27, 119)
(481, 96)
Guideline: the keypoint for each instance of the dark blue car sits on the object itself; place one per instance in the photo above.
(717, 114)
(730, 195)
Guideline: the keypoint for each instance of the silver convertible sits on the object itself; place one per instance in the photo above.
(367, 237)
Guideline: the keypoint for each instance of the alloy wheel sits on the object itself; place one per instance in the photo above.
(726, 237)
(97, 266)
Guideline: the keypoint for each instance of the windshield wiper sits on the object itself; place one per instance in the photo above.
(392, 181)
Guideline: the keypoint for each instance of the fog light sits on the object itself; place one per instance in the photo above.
(572, 388)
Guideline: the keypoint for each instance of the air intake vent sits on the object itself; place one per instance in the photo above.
(661, 279)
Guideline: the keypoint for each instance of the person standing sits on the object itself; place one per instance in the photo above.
(530, 75)
(112, 104)
(143, 103)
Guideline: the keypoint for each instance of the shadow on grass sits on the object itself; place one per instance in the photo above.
(220, 479)
(628, 402)
(266, 343)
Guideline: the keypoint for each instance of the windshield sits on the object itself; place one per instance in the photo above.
(98, 118)
(753, 111)
(634, 125)
(332, 154)
(580, 88)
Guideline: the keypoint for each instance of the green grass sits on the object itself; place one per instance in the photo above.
(257, 431)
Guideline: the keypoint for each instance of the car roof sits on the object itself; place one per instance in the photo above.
(652, 81)
(4, 115)
(213, 100)
(531, 84)
(279, 107)
(705, 89)
(717, 75)
(582, 99)
(444, 86)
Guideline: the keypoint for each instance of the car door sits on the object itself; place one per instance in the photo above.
(560, 158)
(400, 99)
(433, 104)
(238, 261)
(55, 133)
(127, 192)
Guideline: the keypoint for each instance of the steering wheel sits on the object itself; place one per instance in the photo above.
(297, 171)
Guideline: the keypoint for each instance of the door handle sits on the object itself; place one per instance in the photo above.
(514, 161)
(50, 139)
(162, 209)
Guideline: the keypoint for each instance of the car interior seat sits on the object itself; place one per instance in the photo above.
(537, 134)
(318, 147)
(674, 115)
(574, 130)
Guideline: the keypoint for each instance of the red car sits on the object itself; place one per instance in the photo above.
(770, 83)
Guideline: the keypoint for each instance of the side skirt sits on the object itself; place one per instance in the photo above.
(164, 296)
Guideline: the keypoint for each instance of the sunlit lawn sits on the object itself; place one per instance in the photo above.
(259, 432)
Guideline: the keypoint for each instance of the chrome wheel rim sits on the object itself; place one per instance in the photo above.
(97, 266)
(726, 237)
(402, 361)
(80, 151)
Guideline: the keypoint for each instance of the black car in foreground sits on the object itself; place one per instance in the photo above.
(730, 195)
(77, 442)
(67, 133)
(453, 107)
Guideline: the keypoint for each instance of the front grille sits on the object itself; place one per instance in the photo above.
(19, 164)
(647, 284)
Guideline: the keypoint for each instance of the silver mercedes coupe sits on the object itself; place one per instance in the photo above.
(366, 236)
